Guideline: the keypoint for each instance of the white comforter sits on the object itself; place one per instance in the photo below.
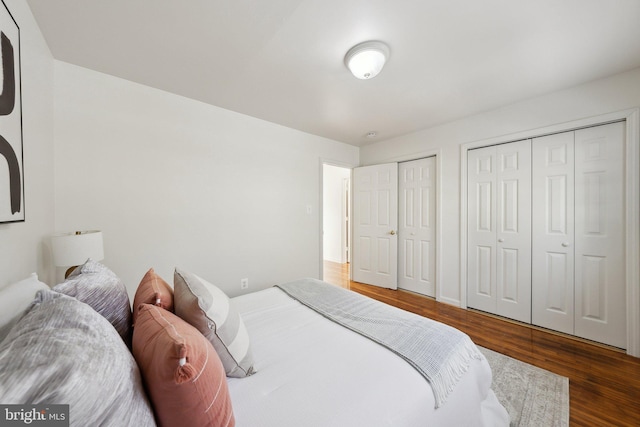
(313, 372)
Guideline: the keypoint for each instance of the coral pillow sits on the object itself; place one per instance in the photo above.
(153, 290)
(182, 372)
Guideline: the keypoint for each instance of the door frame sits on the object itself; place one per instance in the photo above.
(346, 220)
(632, 202)
(437, 153)
(325, 161)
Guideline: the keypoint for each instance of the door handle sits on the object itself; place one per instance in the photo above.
(500, 240)
(392, 232)
(565, 245)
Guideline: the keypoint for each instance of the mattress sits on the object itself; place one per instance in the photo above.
(314, 372)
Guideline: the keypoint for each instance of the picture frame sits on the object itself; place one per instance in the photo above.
(11, 141)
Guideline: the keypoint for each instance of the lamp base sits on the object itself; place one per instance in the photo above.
(69, 271)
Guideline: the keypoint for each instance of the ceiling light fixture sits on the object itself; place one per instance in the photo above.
(372, 134)
(365, 60)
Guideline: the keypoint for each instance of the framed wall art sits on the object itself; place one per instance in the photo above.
(11, 159)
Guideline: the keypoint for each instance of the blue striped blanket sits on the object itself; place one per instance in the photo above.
(440, 353)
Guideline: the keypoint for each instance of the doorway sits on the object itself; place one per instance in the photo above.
(336, 209)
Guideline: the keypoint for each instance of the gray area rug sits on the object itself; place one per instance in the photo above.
(533, 397)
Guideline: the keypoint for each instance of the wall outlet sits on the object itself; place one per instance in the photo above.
(244, 283)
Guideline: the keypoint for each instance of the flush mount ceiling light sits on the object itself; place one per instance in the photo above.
(365, 60)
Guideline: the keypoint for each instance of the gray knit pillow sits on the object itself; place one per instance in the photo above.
(63, 352)
(96, 285)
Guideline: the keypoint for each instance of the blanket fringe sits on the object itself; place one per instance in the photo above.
(444, 382)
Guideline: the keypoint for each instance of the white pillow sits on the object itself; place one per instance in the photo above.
(14, 300)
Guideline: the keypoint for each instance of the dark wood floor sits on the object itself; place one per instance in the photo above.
(604, 384)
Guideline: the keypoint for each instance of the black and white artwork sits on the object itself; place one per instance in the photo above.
(11, 165)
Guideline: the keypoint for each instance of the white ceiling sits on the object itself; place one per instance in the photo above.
(282, 60)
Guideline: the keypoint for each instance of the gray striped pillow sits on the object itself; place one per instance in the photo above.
(96, 285)
(209, 310)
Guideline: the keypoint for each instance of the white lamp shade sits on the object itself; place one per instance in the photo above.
(71, 249)
(366, 60)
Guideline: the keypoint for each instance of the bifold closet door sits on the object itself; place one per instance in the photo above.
(481, 229)
(553, 232)
(600, 301)
(578, 233)
(513, 228)
(499, 230)
(416, 222)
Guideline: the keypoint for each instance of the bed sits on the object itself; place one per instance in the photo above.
(314, 372)
(306, 369)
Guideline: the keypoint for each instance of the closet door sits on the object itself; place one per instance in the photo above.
(513, 230)
(481, 229)
(553, 232)
(599, 235)
(499, 230)
(416, 232)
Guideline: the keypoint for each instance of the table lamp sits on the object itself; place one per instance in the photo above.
(73, 249)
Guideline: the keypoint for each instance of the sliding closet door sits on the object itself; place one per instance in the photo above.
(599, 235)
(513, 228)
(481, 229)
(553, 232)
(416, 232)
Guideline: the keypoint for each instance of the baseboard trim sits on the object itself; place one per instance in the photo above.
(549, 331)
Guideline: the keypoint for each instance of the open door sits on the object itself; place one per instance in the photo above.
(375, 225)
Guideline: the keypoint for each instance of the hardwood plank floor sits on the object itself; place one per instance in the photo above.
(604, 383)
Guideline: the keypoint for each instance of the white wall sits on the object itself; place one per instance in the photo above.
(599, 97)
(22, 249)
(333, 203)
(176, 182)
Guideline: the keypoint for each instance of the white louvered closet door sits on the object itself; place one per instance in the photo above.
(499, 230)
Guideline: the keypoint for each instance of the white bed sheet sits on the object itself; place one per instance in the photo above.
(313, 372)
